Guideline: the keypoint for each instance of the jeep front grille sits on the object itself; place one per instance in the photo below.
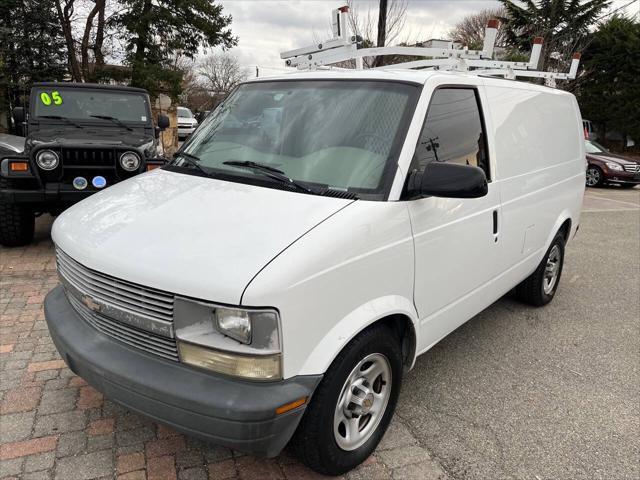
(98, 157)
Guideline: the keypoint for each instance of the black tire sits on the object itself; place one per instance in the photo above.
(594, 176)
(314, 440)
(532, 289)
(17, 223)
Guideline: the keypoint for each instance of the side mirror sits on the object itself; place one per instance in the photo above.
(451, 180)
(163, 122)
(18, 115)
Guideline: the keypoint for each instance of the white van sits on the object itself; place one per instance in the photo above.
(317, 233)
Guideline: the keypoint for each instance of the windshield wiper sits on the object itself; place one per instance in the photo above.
(194, 161)
(58, 117)
(270, 172)
(114, 120)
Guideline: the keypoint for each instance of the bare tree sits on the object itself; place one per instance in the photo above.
(469, 31)
(66, 9)
(221, 72)
(376, 26)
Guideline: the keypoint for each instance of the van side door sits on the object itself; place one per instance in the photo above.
(457, 241)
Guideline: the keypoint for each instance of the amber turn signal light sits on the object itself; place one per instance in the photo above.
(290, 406)
(152, 167)
(19, 166)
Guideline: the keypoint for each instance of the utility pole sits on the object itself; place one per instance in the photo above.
(382, 30)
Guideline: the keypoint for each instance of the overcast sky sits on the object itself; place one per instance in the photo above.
(267, 27)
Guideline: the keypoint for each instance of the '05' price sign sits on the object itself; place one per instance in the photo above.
(51, 98)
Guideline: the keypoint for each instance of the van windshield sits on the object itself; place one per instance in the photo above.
(87, 104)
(343, 135)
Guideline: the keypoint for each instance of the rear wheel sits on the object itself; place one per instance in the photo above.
(595, 177)
(353, 405)
(17, 223)
(540, 287)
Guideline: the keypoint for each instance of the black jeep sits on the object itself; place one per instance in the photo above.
(80, 138)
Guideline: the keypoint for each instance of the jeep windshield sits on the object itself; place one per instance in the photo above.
(85, 104)
(327, 135)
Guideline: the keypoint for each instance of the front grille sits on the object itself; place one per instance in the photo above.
(632, 168)
(149, 342)
(99, 157)
(137, 315)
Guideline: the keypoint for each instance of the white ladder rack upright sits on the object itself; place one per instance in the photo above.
(344, 46)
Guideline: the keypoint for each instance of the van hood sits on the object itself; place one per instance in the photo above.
(186, 234)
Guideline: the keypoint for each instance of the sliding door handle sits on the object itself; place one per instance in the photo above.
(495, 225)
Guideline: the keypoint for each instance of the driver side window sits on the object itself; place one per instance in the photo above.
(453, 131)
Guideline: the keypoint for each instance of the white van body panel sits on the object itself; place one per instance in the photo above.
(351, 270)
(185, 234)
(539, 152)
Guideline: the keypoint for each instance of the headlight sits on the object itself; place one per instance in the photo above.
(130, 161)
(234, 323)
(614, 166)
(243, 342)
(47, 159)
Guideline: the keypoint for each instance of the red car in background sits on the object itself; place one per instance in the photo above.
(606, 167)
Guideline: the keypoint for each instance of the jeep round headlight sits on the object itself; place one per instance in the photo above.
(47, 159)
(130, 161)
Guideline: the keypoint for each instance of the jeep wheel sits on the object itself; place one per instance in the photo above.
(353, 405)
(17, 223)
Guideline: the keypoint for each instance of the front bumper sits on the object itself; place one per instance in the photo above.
(615, 176)
(186, 130)
(233, 413)
(53, 194)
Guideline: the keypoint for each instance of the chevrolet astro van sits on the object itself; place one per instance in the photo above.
(317, 233)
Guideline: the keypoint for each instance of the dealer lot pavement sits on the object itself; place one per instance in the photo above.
(516, 392)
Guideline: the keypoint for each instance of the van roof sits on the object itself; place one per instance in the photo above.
(400, 75)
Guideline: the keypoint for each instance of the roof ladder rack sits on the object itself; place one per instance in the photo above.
(344, 46)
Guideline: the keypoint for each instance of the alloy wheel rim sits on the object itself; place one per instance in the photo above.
(593, 177)
(362, 401)
(552, 270)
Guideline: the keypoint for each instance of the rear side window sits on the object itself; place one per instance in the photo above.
(453, 131)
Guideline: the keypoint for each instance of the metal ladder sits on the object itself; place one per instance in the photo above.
(344, 46)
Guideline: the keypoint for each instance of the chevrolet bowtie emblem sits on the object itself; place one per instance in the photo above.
(91, 303)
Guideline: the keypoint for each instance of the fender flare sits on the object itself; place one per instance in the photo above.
(563, 217)
(355, 322)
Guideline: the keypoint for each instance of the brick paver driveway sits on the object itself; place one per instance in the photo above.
(515, 393)
(53, 425)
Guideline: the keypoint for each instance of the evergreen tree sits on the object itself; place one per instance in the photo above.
(31, 49)
(156, 30)
(563, 24)
(609, 88)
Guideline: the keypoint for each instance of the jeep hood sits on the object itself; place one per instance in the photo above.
(69, 136)
(187, 234)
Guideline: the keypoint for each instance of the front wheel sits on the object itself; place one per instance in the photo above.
(353, 405)
(595, 177)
